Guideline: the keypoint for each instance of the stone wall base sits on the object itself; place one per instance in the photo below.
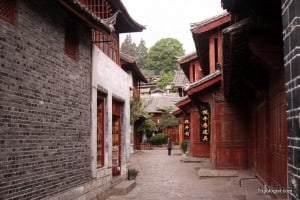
(97, 188)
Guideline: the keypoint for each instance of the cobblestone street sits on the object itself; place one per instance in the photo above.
(164, 177)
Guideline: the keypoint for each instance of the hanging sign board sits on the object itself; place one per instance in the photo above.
(204, 123)
(186, 128)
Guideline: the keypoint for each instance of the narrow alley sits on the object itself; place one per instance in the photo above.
(163, 177)
(83, 104)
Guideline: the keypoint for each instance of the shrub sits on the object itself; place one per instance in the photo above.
(184, 146)
(159, 139)
(132, 174)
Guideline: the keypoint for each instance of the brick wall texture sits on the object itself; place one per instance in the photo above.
(291, 33)
(45, 100)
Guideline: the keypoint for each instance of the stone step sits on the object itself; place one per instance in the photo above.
(124, 187)
(217, 173)
(190, 159)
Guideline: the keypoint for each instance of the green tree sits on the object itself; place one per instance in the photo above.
(167, 119)
(165, 79)
(159, 139)
(163, 55)
(147, 127)
(141, 53)
(137, 110)
(128, 46)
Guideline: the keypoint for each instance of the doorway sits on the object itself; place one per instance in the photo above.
(116, 137)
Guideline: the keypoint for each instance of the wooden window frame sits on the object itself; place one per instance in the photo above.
(100, 8)
(108, 43)
(71, 39)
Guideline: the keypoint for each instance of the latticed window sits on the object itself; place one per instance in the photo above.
(108, 43)
(100, 8)
(7, 10)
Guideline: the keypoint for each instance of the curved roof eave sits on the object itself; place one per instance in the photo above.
(132, 66)
(126, 23)
(204, 83)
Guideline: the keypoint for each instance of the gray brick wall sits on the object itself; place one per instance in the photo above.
(44, 105)
(291, 32)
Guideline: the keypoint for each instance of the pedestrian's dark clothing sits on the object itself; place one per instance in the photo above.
(169, 145)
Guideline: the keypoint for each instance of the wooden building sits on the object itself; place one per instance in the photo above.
(228, 146)
(241, 57)
(205, 98)
(254, 74)
(243, 90)
(180, 82)
(191, 67)
(183, 113)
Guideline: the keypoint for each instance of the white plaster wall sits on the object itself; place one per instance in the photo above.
(130, 79)
(131, 126)
(109, 78)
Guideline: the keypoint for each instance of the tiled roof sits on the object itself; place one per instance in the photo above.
(197, 25)
(203, 80)
(187, 58)
(127, 23)
(185, 100)
(180, 79)
(121, 20)
(145, 90)
(127, 58)
(84, 13)
(157, 90)
(128, 63)
(156, 104)
(244, 24)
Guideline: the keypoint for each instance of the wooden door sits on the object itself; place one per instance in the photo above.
(116, 138)
(116, 147)
(100, 130)
(278, 146)
(262, 142)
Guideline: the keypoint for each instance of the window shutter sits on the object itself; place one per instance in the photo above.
(71, 39)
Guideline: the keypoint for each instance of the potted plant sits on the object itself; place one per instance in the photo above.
(132, 174)
(183, 147)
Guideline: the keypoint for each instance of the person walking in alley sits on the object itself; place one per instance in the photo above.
(169, 145)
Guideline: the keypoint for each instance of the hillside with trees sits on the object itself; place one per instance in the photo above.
(161, 59)
(163, 55)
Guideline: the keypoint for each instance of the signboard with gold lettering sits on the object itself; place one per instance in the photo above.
(204, 122)
(186, 128)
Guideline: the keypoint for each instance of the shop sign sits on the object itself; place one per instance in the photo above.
(204, 123)
(186, 128)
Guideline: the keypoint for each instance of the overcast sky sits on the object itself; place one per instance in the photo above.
(169, 18)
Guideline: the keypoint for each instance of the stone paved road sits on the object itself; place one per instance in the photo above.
(164, 177)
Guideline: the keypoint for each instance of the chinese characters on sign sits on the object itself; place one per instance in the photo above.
(186, 128)
(204, 123)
